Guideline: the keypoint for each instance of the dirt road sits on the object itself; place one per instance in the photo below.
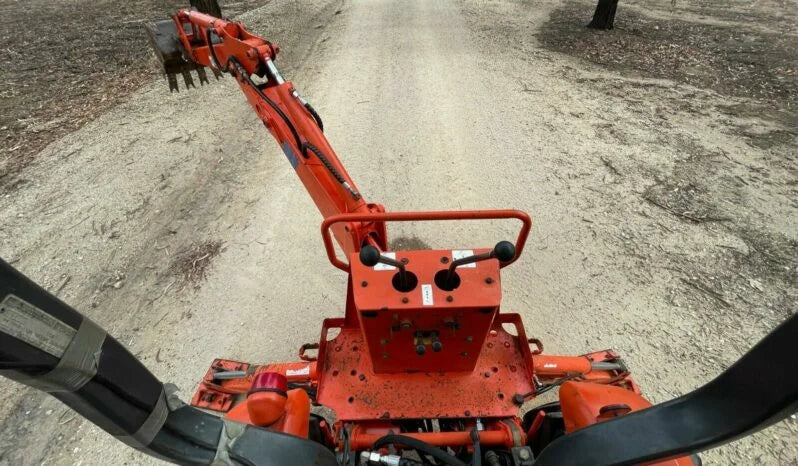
(660, 230)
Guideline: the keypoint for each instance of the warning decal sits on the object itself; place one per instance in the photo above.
(304, 371)
(28, 323)
(426, 294)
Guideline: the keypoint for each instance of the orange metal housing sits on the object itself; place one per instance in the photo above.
(393, 322)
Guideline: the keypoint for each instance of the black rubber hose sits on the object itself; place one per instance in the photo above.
(240, 69)
(212, 51)
(409, 462)
(476, 460)
(315, 115)
(419, 446)
(310, 147)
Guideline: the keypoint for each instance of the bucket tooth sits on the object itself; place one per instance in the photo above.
(216, 73)
(187, 78)
(203, 77)
(172, 78)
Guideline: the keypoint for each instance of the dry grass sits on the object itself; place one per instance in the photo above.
(62, 65)
(734, 61)
(191, 264)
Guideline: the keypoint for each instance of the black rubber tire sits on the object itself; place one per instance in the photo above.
(210, 7)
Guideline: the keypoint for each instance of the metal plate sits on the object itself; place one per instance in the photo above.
(349, 386)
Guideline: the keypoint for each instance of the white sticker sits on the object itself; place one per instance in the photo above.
(382, 266)
(459, 254)
(426, 295)
(304, 371)
(28, 323)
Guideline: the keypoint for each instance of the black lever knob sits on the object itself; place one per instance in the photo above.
(504, 251)
(370, 256)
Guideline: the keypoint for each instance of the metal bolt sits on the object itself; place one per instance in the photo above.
(490, 345)
(361, 377)
(383, 341)
(469, 338)
(506, 344)
(444, 260)
(523, 454)
(405, 299)
(405, 260)
(489, 280)
(364, 283)
(468, 413)
(449, 298)
(405, 324)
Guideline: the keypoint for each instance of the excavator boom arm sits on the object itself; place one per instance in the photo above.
(227, 47)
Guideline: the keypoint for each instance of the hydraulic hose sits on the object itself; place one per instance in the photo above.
(420, 446)
(476, 460)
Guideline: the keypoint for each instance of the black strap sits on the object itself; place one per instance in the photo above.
(758, 390)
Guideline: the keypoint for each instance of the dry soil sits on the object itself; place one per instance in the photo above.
(664, 202)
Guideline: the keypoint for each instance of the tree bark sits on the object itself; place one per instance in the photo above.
(210, 7)
(604, 17)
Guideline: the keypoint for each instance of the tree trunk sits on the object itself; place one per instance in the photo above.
(604, 15)
(210, 7)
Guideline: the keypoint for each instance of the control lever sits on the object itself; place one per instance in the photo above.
(370, 256)
(504, 251)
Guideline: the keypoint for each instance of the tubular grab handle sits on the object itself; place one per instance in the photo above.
(425, 216)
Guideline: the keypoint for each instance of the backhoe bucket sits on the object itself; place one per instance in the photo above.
(164, 39)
